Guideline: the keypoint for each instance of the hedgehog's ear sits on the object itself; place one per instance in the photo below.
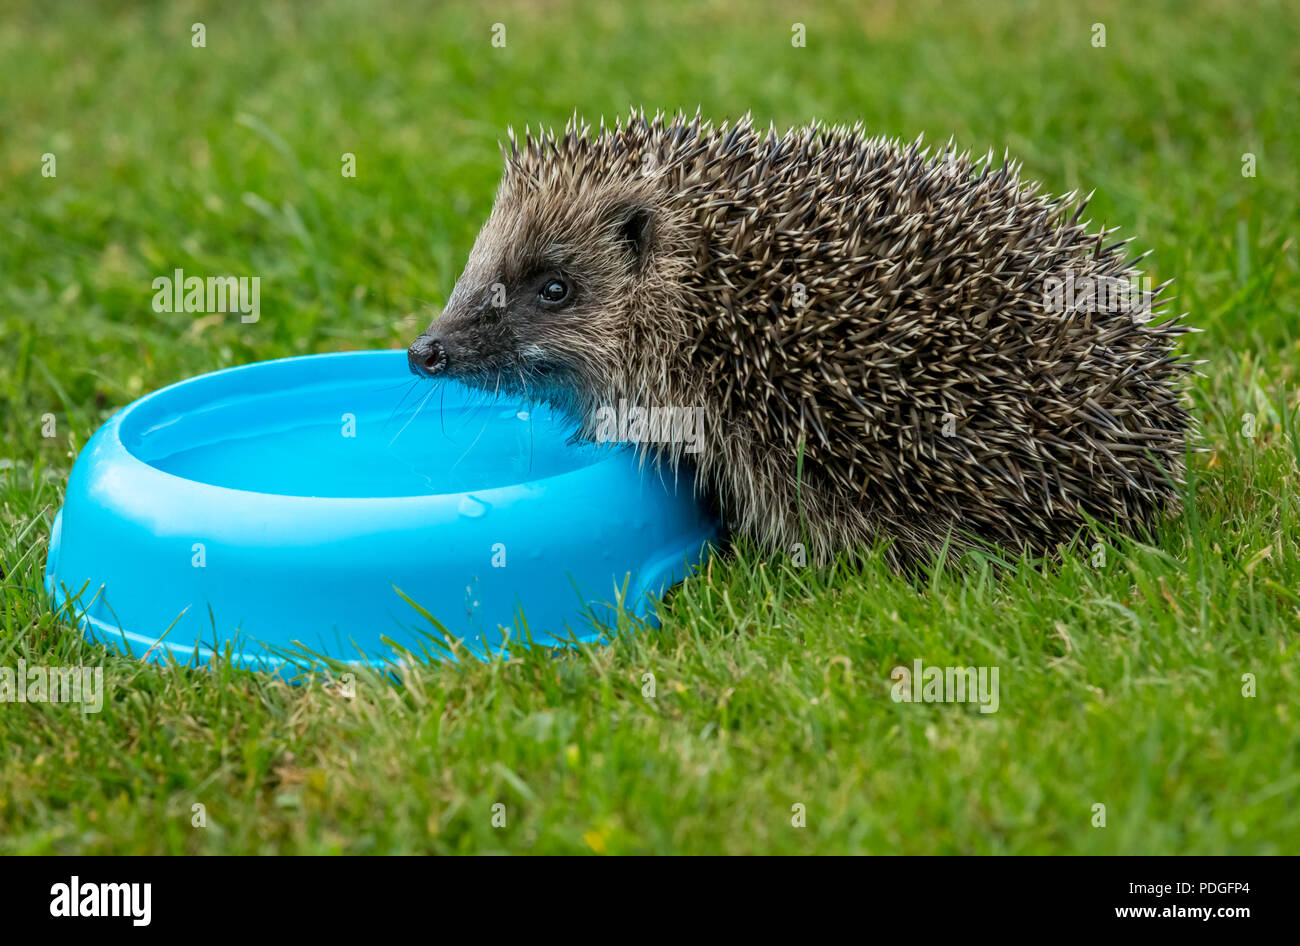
(635, 227)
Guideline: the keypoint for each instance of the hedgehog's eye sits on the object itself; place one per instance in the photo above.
(554, 291)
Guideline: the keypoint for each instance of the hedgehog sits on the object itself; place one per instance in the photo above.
(890, 349)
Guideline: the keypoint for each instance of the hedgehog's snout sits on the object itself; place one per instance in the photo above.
(427, 356)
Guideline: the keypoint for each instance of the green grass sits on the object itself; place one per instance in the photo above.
(1120, 684)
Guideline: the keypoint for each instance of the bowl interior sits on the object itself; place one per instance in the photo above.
(355, 425)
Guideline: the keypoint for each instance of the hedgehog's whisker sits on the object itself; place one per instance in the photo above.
(414, 414)
(410, 387)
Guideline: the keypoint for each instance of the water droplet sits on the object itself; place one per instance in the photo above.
(472, 508)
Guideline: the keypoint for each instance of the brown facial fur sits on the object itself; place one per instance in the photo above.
(922, 285)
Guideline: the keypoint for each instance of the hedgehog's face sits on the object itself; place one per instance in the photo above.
(543, 306)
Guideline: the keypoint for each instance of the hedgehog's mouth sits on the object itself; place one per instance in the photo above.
(533, 378)
(496, 365)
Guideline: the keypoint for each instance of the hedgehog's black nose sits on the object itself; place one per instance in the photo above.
(426, 356)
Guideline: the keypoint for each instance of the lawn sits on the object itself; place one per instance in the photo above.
(1159, 681)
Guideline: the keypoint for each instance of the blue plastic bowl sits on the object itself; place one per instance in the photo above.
(305, 500)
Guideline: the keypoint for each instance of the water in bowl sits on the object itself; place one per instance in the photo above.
(373, 450)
